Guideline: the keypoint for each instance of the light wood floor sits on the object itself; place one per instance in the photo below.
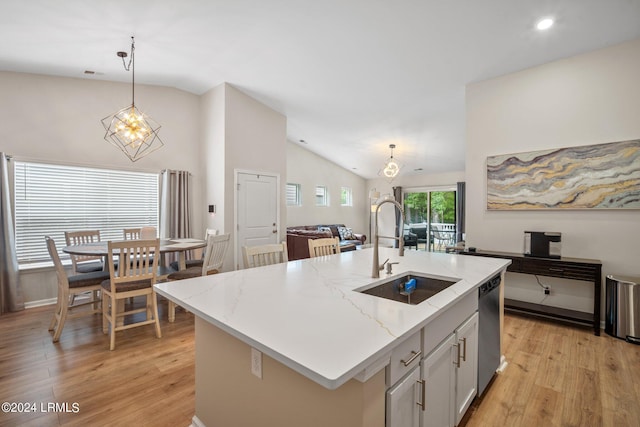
(561, 375)
(557, 375)
(145, 381)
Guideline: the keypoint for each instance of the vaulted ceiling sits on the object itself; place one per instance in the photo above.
(352, 76)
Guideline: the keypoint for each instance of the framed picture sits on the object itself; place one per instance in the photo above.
(601, 176)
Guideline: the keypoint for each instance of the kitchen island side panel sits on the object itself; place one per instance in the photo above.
(228, 394)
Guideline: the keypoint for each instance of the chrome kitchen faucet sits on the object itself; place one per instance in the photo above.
(375, 273)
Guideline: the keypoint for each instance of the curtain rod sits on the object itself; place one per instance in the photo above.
(173, 171)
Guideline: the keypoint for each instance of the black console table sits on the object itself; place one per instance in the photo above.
(589, 270)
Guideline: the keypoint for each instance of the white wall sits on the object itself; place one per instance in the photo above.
(212, 115)
(587, 99)
(239, 133)
(57, 119)
(310, 170)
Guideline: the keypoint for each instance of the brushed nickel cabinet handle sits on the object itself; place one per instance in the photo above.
(457, 362)
(423, 403)
(464, 351)
(415, 355)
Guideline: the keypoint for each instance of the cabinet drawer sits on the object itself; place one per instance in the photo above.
(560, 269)
(404, 357)
(440, 327)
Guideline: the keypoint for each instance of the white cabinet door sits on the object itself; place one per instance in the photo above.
(402, 402)
(467, 363)
(439, 373)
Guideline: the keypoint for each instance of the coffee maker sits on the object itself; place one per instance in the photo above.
(543, 244)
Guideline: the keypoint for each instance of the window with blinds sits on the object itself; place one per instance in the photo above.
(293, 195)
(322, 196)
(52, 199)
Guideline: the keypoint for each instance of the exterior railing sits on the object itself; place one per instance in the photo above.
(441, 234)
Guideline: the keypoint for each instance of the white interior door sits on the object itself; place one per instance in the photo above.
(257, 216)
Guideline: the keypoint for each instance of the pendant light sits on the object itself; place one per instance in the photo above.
(129, 129)
(391, 167)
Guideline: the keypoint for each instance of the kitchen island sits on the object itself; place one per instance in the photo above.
(296, 344)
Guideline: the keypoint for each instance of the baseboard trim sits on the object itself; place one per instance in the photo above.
(195, 422)
(40, 303)
(503, 364)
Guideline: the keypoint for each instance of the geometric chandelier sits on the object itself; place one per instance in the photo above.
(132, 131)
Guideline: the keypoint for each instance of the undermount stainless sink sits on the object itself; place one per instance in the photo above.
(426, 287)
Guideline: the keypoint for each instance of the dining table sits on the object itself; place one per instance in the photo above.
(174, 245)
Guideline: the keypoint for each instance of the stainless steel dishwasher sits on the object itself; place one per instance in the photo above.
(488, 331)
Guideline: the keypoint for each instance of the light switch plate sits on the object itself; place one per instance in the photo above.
(256, 363)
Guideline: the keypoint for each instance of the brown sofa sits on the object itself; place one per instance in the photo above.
(298, 236)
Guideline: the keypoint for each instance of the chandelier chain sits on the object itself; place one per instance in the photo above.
(131, 66)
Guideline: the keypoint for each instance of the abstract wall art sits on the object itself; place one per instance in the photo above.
(601, 176)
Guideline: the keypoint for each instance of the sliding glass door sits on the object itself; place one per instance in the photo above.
(430, 218)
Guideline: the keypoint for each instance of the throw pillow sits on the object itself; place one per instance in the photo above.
(325, 229)
(346, 233)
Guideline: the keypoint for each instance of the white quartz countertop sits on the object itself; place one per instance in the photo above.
(306, 314)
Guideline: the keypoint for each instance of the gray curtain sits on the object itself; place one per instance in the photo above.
(11, 298)
(175, 205)
(460, 211)
(397, 194)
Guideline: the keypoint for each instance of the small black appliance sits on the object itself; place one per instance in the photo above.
(543, 244)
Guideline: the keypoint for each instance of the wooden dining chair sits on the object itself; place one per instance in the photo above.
(84, 263)
(197, 254)
(214, 257)
(257, 256)
(131, 233)
(68, 288)
(148, 233)
(130, 280)
(323, 247)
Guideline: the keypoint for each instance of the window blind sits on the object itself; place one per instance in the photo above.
(293, 195)
(322, 198)
(52, 199)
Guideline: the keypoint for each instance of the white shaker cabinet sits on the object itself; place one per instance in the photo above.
(466, 365)
(439, 375)
(403, 401)
(450, 372)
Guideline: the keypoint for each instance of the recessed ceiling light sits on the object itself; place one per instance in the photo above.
(544, 24)
(302, 141)
(89, 72)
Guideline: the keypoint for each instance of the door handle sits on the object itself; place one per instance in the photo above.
(274, 231)
(464, 351)
(423, 402)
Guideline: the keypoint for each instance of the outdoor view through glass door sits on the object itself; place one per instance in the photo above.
(430, 219)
